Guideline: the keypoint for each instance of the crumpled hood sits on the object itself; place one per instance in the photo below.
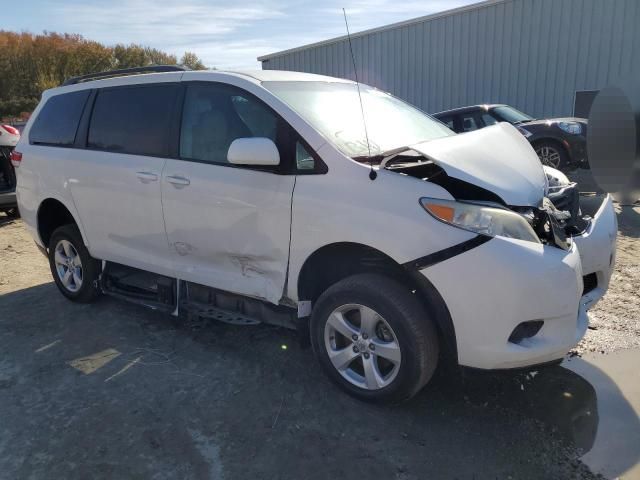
(496, 158)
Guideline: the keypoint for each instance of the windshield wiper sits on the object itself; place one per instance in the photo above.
(384, 157)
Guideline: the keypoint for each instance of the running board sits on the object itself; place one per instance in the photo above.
(209, 311)
(138, 286)
(207, 302)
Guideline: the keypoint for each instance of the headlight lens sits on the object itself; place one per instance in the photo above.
(480, 219)
(571, 127)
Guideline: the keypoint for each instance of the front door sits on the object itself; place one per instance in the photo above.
(228, 226)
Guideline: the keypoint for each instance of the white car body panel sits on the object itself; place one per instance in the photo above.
(497, 158)
(125, 190)
(229, 228)
(326, 211)
(597, 247)
(505, 282)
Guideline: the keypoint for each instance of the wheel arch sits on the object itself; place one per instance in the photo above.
(333, 262)
(53, 213)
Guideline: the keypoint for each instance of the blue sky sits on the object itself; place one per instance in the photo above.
(224, 34)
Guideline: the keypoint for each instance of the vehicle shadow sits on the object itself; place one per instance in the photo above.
(200, 399)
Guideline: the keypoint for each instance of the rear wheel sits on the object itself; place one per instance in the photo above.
(374, 338)
(74, 270)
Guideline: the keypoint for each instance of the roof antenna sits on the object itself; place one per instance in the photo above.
(372, 173)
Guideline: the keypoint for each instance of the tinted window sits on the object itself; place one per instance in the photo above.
(511, 115)
(488, 120)
(57, 122)
(215, 115)
(469, 122)
(448, 121)
(133, 119)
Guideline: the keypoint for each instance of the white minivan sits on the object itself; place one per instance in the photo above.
(286, 198)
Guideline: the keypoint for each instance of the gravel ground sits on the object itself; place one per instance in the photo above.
(615, 320)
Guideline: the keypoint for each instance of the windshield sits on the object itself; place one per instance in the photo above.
(511, 115)
(333, 109)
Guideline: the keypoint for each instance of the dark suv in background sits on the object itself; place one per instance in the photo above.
(559, 142)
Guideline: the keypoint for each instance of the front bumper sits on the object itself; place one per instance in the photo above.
(8, 200)
(494, 287)
(597, 248)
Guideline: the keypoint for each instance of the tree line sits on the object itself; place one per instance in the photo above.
(31, 63)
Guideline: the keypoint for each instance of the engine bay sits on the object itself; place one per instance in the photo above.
(561, 214)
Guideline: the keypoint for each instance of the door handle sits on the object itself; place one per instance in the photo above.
(146, 177)
(177, 181)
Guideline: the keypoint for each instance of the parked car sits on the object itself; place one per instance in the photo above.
(560, 143)
(9, 137)
(258, 197)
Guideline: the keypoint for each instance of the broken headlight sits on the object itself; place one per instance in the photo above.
(485, 220)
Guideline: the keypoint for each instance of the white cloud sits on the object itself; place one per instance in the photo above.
(177, 25)
(224, 35)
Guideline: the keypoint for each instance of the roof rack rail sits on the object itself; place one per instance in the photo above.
(124, 72)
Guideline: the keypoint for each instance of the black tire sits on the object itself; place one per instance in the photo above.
(413, 328)
(555, 147)
(88, 291)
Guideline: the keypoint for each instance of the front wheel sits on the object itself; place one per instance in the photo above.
(74, 270)
(374, 338)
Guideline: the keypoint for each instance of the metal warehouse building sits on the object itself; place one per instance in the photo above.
(532, 54)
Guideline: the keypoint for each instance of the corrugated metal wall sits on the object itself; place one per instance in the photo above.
(532, 54)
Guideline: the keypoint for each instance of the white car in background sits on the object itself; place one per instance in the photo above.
(9, 136)
(260, 196)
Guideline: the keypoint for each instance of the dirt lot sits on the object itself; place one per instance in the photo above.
(615, 320)
(112, 390)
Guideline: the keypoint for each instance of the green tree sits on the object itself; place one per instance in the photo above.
(32, 63)
(191, 60)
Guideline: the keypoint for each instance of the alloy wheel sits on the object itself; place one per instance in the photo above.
(362, 346)
(68, 265)
(549, 156)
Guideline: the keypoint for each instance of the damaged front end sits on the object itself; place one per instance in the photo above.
(510, 178)
(496, 167)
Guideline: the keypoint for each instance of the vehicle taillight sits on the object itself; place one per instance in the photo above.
(11, 130)
(16, 158)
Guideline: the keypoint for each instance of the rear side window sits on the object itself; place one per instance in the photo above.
(57, 122)
(133, 120)
(470, 122)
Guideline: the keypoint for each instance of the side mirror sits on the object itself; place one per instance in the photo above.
(253, 151)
